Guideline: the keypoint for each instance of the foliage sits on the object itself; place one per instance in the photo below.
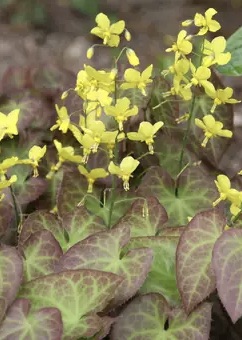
(115, 217)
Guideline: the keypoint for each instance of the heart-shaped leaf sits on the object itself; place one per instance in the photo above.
(103, 251)
(228, 271)
(150, 313)
(41, 254)
(162, 275)
(145, 218)
(22, 323)
(196, 192)
(195, 276)
(32, 189)
(11, 269)
(6, 215)
(76, 293)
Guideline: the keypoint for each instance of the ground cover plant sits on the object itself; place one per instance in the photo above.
(116, 219)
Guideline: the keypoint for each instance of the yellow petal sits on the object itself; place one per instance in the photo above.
(102, 21)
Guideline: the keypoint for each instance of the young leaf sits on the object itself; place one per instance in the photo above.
(195, 276)
(41, 254)
(196, 192)
(76, 293)
(103, 251)
(11, 269)
(162, 275)
(226, 262)
(234, 46)
(22, 323)
(145, 217)
(149, 314)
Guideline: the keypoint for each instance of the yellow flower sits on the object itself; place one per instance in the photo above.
(182, 46)
(124, 171)
(8, 124)
(200, 77)
(132, 57)
(89, 145)
(146, 133)
(214, 52)
(136, 79)
(221, 96)
(35, 155)
(6, 164)
(206, 22)
(109, 33)
(181, 89)
(92, 175)
(97, 130)
(64, 120)
(179, 68)
(121, 111)
(212, 128)
(5, 183)
(110, 138)
(65, 154)
(232, 195)
(96, 100)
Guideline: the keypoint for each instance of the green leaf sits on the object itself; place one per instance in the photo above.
(41, 254)
(196, 192)
(227, 256)
(162, 275)
(22, 323)
(145, 217)
(234, 46)
(78, 294)
(103, 251)
(11, 269)
(195, 276)
(145, 318)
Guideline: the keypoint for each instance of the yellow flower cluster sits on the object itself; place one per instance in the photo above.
(187, 76)
(8, 127)
(105, 109)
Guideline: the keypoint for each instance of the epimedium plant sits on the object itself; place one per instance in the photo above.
(128, 233)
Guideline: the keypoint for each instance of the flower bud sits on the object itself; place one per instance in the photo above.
(90, 53)
(132, 57)
(64, 95)
(127, 35)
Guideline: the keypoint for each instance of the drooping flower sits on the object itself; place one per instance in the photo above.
(146, 133)
(92, 175)
(182, 46)
(226, 192)
(6, 164)
(121, 111)
(90, 52)
(214, 52)
(109, 33)
(136, 79)
(63, 121)
(35, 155)
(8, 124)
(212, 128)
(124, 170)
(221, 96)
(96, 100)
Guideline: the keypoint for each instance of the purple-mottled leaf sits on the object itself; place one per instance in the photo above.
(106, 325)
(195, 276)
(162, 275)
(77, 294)
(33, 188)
(122, 201)
(41, 254)
(6, 215)
(11, 269)
(226, 262)
(172, 231)
(145, 218)
(72, 191)
(145, 318)
(42, 220)
(102, 251)
(22, 323)
(196, 192)
(80, 224)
